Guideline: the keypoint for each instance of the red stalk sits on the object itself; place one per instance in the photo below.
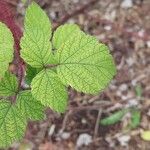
(7, 16)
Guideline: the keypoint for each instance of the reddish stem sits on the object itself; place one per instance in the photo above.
(8, 17)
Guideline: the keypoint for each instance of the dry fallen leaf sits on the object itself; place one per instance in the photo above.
(145, 135)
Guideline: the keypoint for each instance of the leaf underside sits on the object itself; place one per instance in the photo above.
(30, 107)
(47, 88)
(12, 124)
(6, 48)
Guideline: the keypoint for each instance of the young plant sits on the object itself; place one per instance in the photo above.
(68, 58)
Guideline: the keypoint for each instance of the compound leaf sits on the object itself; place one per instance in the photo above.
(12, 124)
(8, 85)
(6, 48)
(47, 88)
(64, 33)
(85, 64)
(35, 44)
(29, 106)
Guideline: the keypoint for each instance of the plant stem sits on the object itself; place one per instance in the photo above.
(51, 65)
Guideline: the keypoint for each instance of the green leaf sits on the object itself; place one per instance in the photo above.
(63, 34)
(12, 124)
(29, 106)
(8, 85)
(47, 88)
(6, 48)
(85, 64)
(35, 44)
(114, 118)
(135, 118)
(31, 73)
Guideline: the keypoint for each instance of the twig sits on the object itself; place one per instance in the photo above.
(65, 120)
(93, 107)
(97, 123)
(74, 13)
(80, 131)
(124, 31)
